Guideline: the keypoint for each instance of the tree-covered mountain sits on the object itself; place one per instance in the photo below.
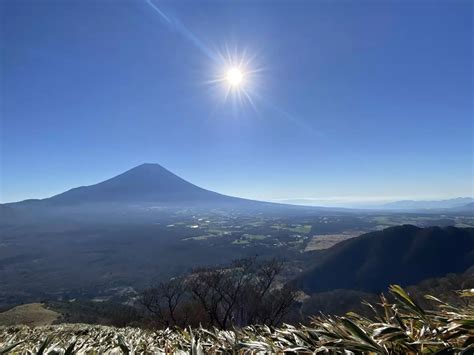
(403, 254)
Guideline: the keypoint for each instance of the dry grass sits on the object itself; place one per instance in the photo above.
(401, 327)
(32, 314)
(319, 242)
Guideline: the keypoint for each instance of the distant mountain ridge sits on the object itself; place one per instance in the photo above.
(463, 208)
(152, 183)
(458, 202)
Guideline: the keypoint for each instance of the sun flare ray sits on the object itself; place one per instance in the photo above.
(237, 76)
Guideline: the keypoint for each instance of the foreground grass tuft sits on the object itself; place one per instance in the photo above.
(400, 327)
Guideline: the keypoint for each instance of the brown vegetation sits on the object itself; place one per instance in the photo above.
(32, 314)
(245, 292)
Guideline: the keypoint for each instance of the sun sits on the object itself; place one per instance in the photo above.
(234, 77)
(237, 77)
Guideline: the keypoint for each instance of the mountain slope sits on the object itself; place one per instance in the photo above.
(6, 212)
(404, 254)
(145, 191)
(144, 183)
(465, 208)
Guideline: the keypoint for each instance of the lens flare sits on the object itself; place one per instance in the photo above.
(237, 78)
(234, 77)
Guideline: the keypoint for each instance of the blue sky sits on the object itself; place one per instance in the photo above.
(356, 100)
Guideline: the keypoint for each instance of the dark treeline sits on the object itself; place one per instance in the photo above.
(245, 292)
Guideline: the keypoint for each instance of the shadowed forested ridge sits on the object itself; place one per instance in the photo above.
(403, 254)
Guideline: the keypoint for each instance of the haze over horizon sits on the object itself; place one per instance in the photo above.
(372, 105)
(147, 173)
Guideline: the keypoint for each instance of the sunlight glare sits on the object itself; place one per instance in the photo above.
(234, 77)
(237, 77)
